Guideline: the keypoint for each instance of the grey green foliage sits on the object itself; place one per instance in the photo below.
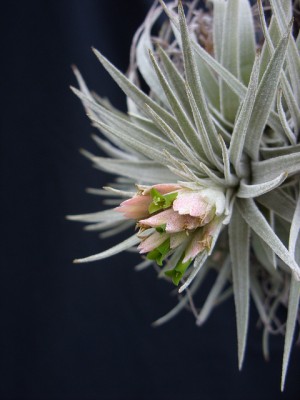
(222, 112)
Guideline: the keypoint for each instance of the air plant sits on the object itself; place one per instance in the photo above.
(208, 160)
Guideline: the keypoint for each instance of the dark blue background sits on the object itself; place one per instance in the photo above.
(84, 332)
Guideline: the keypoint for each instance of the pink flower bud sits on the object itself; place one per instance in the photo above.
(152, 242)
(137, 206)
(172, 221)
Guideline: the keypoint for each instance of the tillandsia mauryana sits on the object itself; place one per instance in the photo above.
(208, 160)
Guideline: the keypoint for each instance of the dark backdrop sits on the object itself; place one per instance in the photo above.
(84, 332)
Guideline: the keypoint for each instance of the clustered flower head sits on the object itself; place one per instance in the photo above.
(175, 220)
(213, 150)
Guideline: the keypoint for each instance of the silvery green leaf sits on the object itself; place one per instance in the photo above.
(265, 170)
(129, 134)
(185, 150)
(179, 168)
(106, 215)
(270, 152)
(147, 172)
(209, 82)
(139, 97)
(117, 229)
(111, 150)
(258, 298)
(144, 123)
(288, 94)
(103, 192)
(237, 86)
(264, 98)
(239, 236)
(96, 111)
(298, 42)
(293, 56)
(291, 103)
(208, 78)
(279, 202)
(246, 41)
(293, 310)
(242, 123)
(176, 81)
(110, 191)
(82, 85)
(101, 226)
(204, 138)
(142, 57)
(184, 171)
(234, 84)
(251, 191)
(295, 228)
(230, 179)
(282, 115)
(214, 293)
(194, 81)
(221, 129)
(271, 32)
(217, 116)
(216, 179)
(218, 25)
(126, 244)
(188, 131)
(230, 58)
(141, 143)
(265, 255)
(258, 223)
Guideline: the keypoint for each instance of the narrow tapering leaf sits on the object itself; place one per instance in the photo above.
(126, 244)
(242, 123)
(230, 58)
(264, 98)
(180, 144)
(176, 80)
(188, 131)
(293, 312)
(279, 202)
(106, 215)
(194, 81)
(139, 97)
(144, 44)
(268, 169)
(147, 172)
(293, 56)
(218, 26)
(204, 137)
(258, 223)
(239, 234)
(251, 191)
(295, 228)
(215, 291)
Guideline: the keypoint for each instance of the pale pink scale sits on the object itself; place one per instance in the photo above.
(152, 242)
(136, 207)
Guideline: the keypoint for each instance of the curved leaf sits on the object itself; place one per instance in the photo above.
(126, 244)
(251, 191)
